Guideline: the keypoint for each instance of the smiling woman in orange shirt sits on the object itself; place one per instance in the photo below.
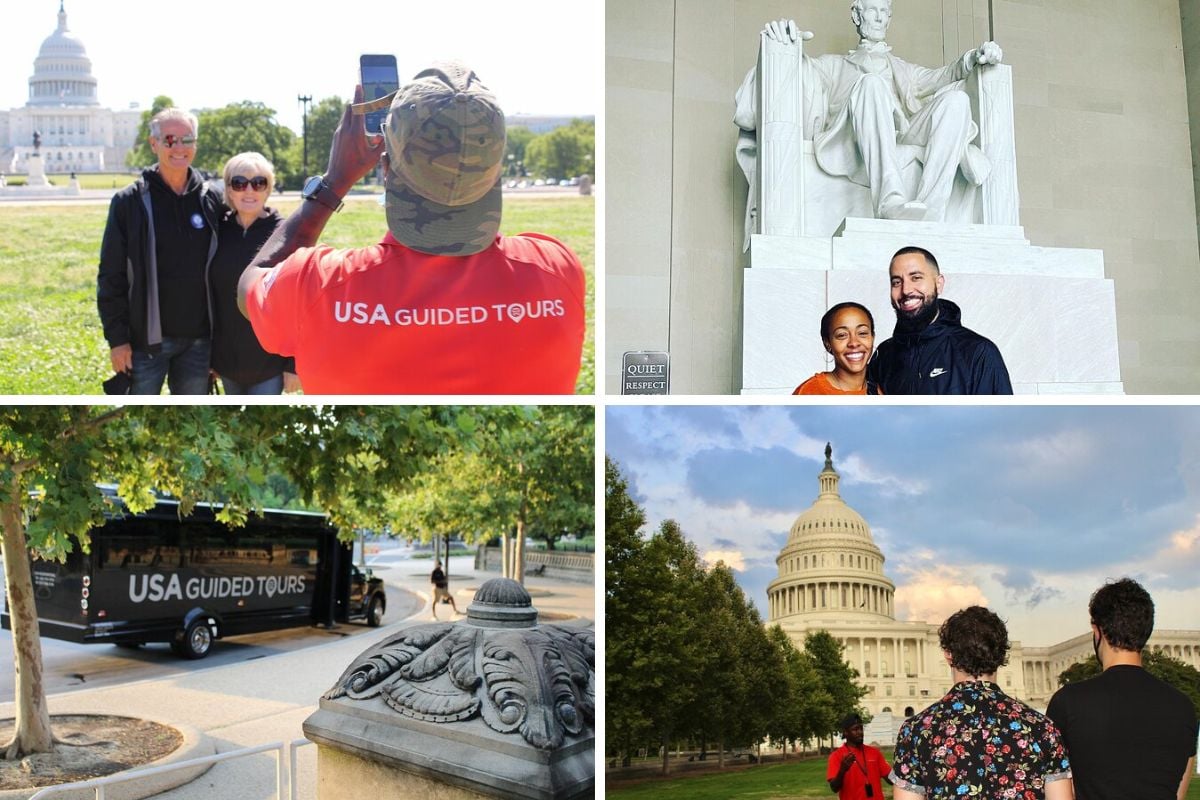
(848, 333)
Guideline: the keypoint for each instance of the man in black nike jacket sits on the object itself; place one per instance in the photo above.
(930, 352)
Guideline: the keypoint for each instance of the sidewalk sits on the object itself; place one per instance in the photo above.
(266, 700)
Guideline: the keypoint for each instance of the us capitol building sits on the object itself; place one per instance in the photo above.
(831, 578)
(77, 135)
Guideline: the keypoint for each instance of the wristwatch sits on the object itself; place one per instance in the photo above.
(315, 188)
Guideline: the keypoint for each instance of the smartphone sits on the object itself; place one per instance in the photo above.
(379, 78)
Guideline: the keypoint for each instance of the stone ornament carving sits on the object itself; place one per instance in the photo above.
(517, 676)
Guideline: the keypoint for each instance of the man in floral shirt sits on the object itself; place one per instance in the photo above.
(977, 742)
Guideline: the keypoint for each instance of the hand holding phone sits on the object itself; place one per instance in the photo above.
(379, 78)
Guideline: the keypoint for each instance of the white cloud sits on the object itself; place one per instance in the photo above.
(932, 592)
(734, 559)
(1047, 458)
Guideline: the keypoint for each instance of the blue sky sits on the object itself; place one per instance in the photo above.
(1026, 509)
(537, 56)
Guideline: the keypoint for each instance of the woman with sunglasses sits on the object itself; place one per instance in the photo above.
(237, 358)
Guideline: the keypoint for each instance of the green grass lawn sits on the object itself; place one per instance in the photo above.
(771, 781)
(87, 180)
(774, 780)
(50, 336)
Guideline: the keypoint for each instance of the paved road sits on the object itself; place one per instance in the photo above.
(253, 702)
(69, 667)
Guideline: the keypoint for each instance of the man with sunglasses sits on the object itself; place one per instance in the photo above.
(1130, 734)
(443, 304)
(152, 290)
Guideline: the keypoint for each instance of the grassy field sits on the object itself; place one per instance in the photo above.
(771, 781)
(50, 336)
(87, 180)
(793, 778)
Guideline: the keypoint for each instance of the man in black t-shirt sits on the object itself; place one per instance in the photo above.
(1130, 735)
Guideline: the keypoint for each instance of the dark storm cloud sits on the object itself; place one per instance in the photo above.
(1021, 586)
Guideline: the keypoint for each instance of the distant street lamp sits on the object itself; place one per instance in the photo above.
(305, 99)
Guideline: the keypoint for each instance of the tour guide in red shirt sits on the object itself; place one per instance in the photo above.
(443, 304)
(855, 769)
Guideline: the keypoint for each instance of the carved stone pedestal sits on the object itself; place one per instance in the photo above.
(37, 172)
(496, 706)
(1050, 310)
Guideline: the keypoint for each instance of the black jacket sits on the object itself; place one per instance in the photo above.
(127, 285)
(944, 358)
(236, 353)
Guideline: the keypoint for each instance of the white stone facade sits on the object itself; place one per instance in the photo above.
(831, 578)
(77, 135)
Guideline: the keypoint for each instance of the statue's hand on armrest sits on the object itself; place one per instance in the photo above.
(986, 53)
(786, 31)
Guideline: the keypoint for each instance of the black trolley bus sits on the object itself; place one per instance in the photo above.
(157, 577)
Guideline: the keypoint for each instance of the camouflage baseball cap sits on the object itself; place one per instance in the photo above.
(445, 141)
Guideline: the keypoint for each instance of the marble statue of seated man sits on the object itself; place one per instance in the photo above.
(863, 107)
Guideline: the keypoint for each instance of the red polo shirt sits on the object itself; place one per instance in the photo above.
(389, 320)
(869, 767)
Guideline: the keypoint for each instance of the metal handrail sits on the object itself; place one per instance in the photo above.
(293, 746)
(284, 773)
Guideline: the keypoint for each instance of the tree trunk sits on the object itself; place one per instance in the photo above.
(506, 546)
(32, 732)
(519, 554)
(721, 752)
(666, 755)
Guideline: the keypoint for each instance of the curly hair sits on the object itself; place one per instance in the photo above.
(976, 639)
(1124, 613)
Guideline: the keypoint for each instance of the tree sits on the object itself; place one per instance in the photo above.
(804, 709)
(837, 678)
(654, 653)
(1166, 668)
(564, 151)
(626, 594)
(52, 457)
(140, 155)
(669, 657)
(531, 469)
(741, 669)
(323, 119)
(517, 140)
(242, 127)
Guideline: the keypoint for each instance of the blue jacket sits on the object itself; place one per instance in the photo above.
(944, 358)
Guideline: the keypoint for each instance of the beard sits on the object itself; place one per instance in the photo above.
(913, 321)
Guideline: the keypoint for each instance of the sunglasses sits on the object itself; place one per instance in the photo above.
(239, 183)
(171, 140)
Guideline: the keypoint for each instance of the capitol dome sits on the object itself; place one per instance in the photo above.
(62, 71)
(830, 561)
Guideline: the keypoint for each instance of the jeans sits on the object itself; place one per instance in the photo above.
(183, 363)
(269, 386)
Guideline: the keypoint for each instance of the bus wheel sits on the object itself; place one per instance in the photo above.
(375, 612)
(195, 642)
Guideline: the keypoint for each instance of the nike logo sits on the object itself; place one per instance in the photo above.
(935, 372)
